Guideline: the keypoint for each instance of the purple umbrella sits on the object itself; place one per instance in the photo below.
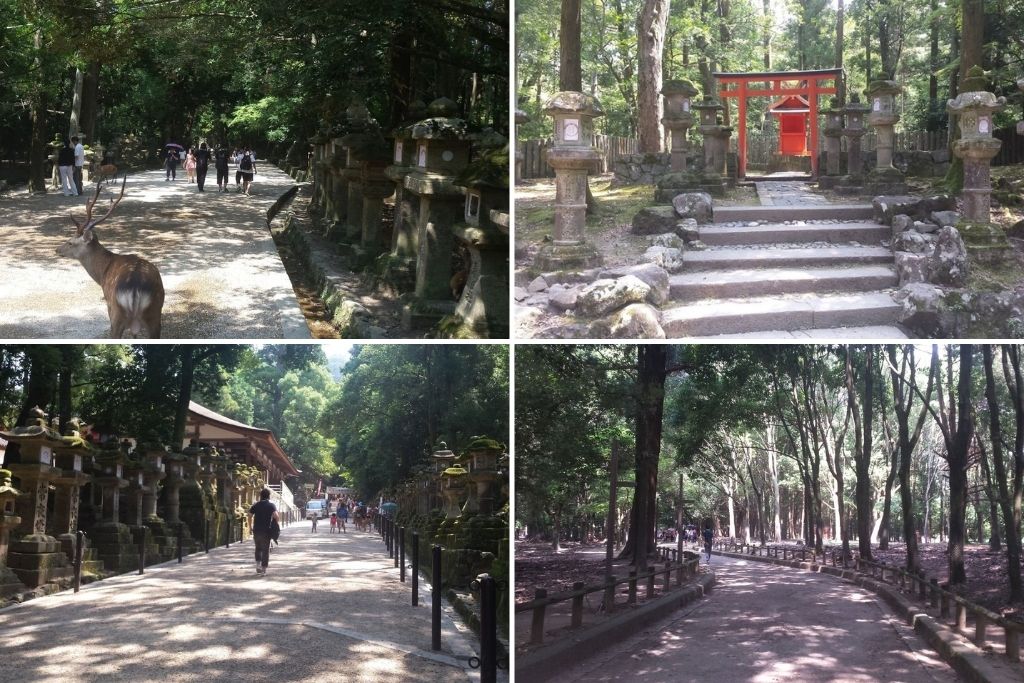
(174, 144)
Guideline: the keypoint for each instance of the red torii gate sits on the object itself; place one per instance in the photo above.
(809, 86)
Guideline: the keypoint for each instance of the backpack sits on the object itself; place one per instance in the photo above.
(275, 531)
(246, 163)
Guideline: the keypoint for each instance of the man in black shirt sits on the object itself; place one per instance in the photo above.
(261, 516)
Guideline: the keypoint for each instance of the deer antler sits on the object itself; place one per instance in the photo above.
(88, 207)
(113, 204)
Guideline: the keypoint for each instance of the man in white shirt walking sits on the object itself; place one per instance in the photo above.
(79, 162)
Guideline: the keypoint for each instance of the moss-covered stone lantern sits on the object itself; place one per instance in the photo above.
(883, 117)
(401, 268)
(572, 156)
(716, 145)
(678, 118)
(832, 132)
(452, 489)
(71, 457)
(112, 539)
(483, 455)
(319, 167)
(336, 180)
(442, 151)
(482, 310)
(34, 470)
(853, 181)
(974, 108)
(9, 520)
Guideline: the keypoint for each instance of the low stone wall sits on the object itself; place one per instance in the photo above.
(640, 169)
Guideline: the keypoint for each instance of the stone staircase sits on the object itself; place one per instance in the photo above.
(769, 271)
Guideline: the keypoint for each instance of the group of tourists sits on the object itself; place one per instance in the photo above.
(196, 162)
(70, 162)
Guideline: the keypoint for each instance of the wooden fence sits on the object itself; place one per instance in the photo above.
(535, 154)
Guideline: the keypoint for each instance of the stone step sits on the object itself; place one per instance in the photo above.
(717, 259)
(866, 333)
(807, 312)
(746, 282)
(836, 233)
(806, 212)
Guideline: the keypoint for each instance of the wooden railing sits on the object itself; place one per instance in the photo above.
(535, 154)
(541, 600)
(916, 584)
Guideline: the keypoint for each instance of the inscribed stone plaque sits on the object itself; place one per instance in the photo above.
(983, 124)
(398, 152)
(571, 130)
(878, 104)
(422, 158)
(78, 463)
(45, 455)
(686, 105)
(118, 471)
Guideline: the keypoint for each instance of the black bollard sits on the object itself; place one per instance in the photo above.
(488, 629)
(391, 537)
(206, 535)
(181, 538)
(79, 549)
(142, 550)
(435, 599)
(227, 533)
(401, 554)
(415, 568)
(395, 542)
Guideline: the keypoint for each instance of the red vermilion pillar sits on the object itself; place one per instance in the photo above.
(812, 97)
(741, 141)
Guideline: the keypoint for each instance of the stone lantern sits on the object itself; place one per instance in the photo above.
(521, 118)
(336, 181)
(571, 156)
(443, 458)
(401, 271)
(884, 178)
(974, 107)
(360, 124)
(452, 488)
(34, 556)
(1020, 124)
(442, 151)
(482, 310)
(852, 182)
(320, 168)
(71, 457)
(112, 539)
(483, 455)
(9, 581)
(135, 492)
(153, 472)
(678, 118)
(175, 478)
(716, 143)
(832, 131)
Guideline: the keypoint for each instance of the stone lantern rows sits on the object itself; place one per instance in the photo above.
(120, 497)
(447, 249)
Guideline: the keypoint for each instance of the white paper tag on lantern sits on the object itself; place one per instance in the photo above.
(422, 159)
(686, 105)
(398, 152)
(1020, 128)
(571, 130)
(45, 455)
(983, 124)
(878, 104)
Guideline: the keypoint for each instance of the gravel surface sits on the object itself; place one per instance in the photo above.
(330, 608)
(764, 623)
(221, 271)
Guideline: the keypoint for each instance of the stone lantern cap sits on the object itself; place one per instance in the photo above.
(709, 102)
(572, 102)
(417, 111)
(883, 87)
(679, 87)
(521, 117)
(490, 169)
(36, 429)
(441, 123)
(323, 132)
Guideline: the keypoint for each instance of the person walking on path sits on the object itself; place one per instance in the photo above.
(171, 164)
(65, 162)
(709, 536)
(202, 165)
(238, 169)
(190, 165)
(334, 522)
(247, 167)
(262, 515)
(314, 523)
(342, 516)
(79, 163)
(221, 163)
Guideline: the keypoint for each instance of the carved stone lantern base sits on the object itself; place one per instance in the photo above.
(37, 560)
(888, 181)
(567, 257)
(676, 183)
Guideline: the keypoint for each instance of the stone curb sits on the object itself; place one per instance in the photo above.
(959, 653)
(545, 663)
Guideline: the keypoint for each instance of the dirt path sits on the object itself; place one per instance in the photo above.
(764, 624)
(221, 271)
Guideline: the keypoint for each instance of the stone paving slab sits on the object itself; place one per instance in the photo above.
(726, 257)
(767, 624)
(220, 268)
(722, 284)
(871, 332)
(331, 607)
(727, 214)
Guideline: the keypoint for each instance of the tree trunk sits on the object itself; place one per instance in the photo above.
(1012, 377)
(37, 143)
(958, 463)
(995, 541)
(935, 110)
(972, 36)
(884, 532)
(570, 63)
(184, 394)
(840, 84)
(650, 45)
(863, 462)
(90, 95)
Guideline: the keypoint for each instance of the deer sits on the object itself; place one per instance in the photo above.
(131, 285)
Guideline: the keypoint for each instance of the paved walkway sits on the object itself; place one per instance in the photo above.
(763, 623)
(221, 271)
(331, 608)
(787, 193)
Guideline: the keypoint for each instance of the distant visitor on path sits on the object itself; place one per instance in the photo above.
(262, 515)
(202, 165)
(79, 162)
(334, 522)
(343, 516)
(314, 524)
(709, 536)
(171, 164)
(65, 164)
(221, 162)
(247, 167)
(190, 165)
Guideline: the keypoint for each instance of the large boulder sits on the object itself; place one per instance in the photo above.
(887, 206)
(606, 295)
(636, 321)
(944, 218)
(948, 263)
(901, 222)
(669, 258)
(563, 297)
(922, 305)
(668, 239)
(654, 276)
(654, 220)
(914, 242)
(696, 205)
(688, 230)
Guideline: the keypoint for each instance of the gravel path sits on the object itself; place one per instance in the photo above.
(221, 271)
(330, 608)
(763, 624)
